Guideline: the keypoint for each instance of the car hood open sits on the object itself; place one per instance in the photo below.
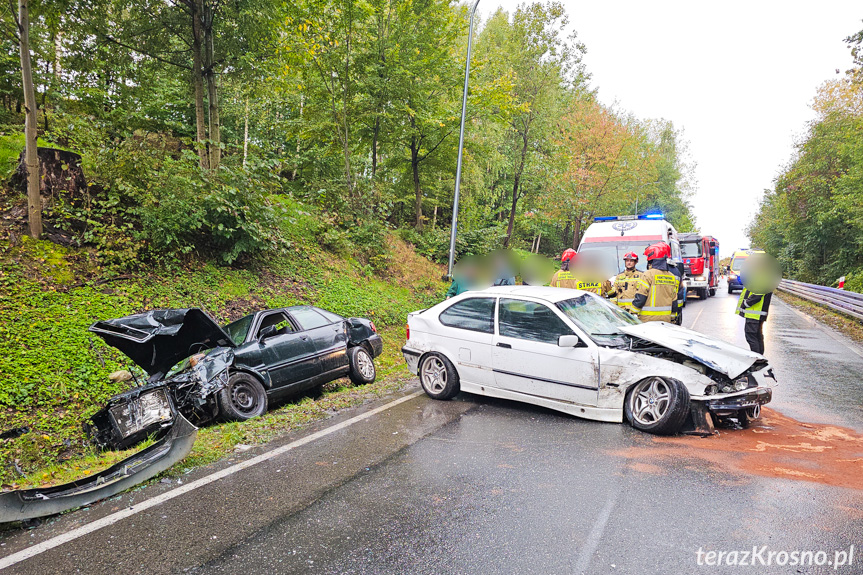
(714, 353)
(158, 339)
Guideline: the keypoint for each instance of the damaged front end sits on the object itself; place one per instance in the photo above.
(32, 503)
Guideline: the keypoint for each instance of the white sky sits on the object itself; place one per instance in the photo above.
(737, 77)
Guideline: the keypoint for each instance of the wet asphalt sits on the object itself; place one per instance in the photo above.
(478, 485)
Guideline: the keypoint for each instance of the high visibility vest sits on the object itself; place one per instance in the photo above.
(754, 312)
(563, 279)
(626, 286)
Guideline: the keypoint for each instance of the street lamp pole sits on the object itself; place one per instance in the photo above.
(460, 144)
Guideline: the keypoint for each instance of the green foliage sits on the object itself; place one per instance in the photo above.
(435, 244)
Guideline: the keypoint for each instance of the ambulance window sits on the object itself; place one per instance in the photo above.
(675, 251)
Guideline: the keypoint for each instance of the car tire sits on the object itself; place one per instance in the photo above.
(657, 405)
(438, 376)
(711, 292)
(362, 366)
(243, 398)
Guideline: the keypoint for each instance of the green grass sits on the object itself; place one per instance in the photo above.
(54, 373)
(11, 146)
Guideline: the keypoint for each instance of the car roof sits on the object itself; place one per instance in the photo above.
(549, 294)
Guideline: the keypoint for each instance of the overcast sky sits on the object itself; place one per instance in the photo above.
(737, 77)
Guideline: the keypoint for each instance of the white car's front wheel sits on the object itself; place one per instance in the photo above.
(438, 376)
(657, 405)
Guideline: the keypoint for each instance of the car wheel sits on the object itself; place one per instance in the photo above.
(711, 292)
(362, 367)
(243, 398)
(438, 376)
(657, 405)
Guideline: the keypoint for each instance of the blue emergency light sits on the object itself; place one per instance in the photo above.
(623, 218)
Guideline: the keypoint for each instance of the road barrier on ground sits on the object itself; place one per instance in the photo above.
(845, 302)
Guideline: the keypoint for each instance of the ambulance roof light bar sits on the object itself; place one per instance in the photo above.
(657, 216)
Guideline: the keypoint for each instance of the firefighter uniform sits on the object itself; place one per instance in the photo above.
(626, 286)
(658, 289)
(753, 308)
(567, 279)
(563, 279)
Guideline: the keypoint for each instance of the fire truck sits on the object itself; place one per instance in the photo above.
(700, 256)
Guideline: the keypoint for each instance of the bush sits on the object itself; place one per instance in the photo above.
(435, 244)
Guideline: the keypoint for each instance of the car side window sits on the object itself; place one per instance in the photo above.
(475, 314)
(531, 321)
(334, 318)
(278, 319)
(308, 318)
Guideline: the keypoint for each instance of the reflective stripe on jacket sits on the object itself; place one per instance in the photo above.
(626, 286)
(753, 305)
(660, 288)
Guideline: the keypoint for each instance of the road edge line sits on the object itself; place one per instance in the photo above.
(108, 520)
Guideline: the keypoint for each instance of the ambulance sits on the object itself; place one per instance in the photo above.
(612, 237)
(734, 282)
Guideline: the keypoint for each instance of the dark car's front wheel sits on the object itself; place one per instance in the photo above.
(438, 376)
(362, 366)
(657, 405)
(243, 398)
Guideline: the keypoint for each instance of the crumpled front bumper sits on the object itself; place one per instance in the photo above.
(31, 503)
(735, 402)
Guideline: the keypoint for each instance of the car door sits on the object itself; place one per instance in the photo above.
(527, 359)
(465, 334)
(289, 355)
(329, 338)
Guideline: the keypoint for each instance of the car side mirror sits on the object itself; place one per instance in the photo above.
(568, 341)
(268, 331)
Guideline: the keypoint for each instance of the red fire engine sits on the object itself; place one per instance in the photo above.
(700, 256)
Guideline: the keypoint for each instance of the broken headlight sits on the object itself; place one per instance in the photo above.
(738, 384)
(142, 412)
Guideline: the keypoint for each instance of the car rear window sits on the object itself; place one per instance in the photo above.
(530, 320)
(309, 318)
(475, 314)
(334, 318)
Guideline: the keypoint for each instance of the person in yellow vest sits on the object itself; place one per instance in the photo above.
(563, 277)
(657, 296)
(626, 284)
(760, 275)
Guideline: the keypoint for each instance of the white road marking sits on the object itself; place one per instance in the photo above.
(595, 535)
(49, 544)
(692, 325)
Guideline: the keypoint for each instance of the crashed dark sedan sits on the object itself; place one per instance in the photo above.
(205, 371)
(199, 371)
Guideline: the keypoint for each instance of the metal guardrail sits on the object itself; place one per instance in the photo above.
(845, 302)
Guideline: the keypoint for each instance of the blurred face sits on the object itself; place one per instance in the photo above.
(761, 273)
(630, 264)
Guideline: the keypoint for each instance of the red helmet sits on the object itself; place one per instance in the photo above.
(630, 256)
(657, 251)
(568, 254)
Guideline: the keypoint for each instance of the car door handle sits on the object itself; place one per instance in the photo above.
(506, 345)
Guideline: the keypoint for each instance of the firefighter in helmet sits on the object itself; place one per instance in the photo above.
(657, 296)
(626, 284)
(563, 277)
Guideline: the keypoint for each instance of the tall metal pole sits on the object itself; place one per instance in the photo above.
(460, 144)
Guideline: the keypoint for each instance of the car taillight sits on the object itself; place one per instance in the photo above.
(372, 325)
(407, 331)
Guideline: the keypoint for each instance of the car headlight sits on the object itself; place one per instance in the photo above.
(711, 390)
(741, 383)
(140, 413)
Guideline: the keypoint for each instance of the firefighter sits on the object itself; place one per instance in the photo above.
(626, 284)
(563, 277)
(657, 295)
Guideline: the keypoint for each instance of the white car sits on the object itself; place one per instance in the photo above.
(573, 351)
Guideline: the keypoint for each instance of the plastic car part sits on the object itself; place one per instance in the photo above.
(40, 502)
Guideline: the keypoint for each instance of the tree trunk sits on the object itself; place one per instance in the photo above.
(198, 83)
(515, 182)
(415, 170)
(302, 102)
(246, 133)
(215, 134)
(31, 159)
(375, 133)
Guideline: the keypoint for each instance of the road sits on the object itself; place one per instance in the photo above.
(477, 485)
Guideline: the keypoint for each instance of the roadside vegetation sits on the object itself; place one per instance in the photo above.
(276, 153)
(812, 220)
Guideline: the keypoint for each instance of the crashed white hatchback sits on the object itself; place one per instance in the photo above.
(573, 351)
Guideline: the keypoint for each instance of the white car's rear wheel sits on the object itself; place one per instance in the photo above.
(657, 405)
(438, 376)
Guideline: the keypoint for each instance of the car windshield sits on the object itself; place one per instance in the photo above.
(690, 249)
(596, 317)
(239, 329)
(737, 263)
(611, 254)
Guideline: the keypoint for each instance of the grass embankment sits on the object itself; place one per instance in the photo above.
(851, 327)
(54, 373)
